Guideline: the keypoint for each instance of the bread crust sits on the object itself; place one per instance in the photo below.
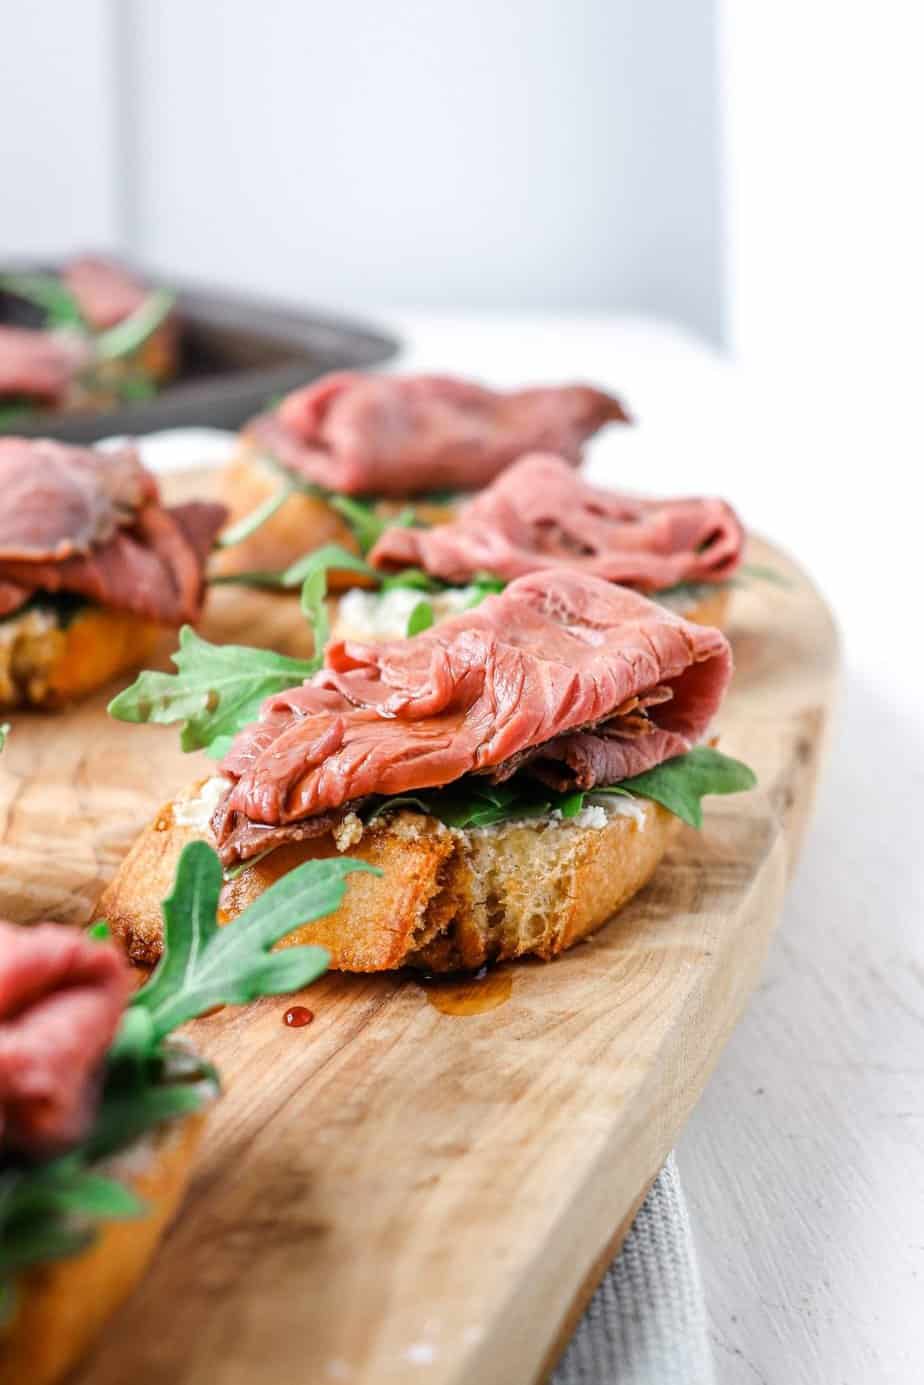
(301, 524)
(57, 665)
(446, 900)
(63, 1306)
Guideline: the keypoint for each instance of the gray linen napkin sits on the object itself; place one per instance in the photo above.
(646, 1324)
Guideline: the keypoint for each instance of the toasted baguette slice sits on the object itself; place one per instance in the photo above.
(447, 900)
(45, 664)
(302, 523)
(62, 1307)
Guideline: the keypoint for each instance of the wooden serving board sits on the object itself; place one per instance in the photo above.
(427, 1184)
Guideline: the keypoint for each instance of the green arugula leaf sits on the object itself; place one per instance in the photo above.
(412, 577)
(421, 618)
(53, 1210)
(136, 388)
(216, 690)
(681, 784)
(14, 412)
(64, 1185)
(236, 533)
(132, 332)
(313, 602)
(39, 1239)
(331, 557)
(48, 292)
(4, 732)
(367, 526)
(205, 965)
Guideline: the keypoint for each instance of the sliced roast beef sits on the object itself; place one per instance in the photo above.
(56, 500)
(540, 515)
(248, 839)
(12, 596)
(553, 655)
(40, 365)
(105, 292)
(61, 999)
(394, 436)
(78, 520)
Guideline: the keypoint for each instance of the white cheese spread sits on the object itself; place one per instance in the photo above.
(196, 812)
(365, 615)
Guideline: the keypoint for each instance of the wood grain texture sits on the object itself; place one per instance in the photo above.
(392, 1191)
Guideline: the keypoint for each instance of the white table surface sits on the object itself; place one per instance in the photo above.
(804, 1163)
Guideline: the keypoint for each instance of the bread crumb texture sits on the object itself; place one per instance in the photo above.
(446, 900)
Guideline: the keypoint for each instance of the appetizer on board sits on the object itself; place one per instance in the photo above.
(92, 567)
(101, 1112)
(540, 515)
(88, 338)
(516, 771)
(339, 454)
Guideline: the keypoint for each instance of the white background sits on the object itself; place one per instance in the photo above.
(755, 177)
(497, 153)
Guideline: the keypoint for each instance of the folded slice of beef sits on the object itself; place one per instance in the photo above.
(395, 435)
(57, 500)
(540, 515)
(39, 365)
(79, 520)
(528, 671)
(105, 292)
(61, 1000)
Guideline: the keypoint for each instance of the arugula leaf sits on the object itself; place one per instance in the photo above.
(4, 732)
(15, 411)
(258, 517)
(421, 618)
(313, 602)
(681, 784)
(216, 690)
(367, 526)
(135, 1104)
(204, 965)
(473, 802)
(50, 1211)
(413, 577)
(331, 557)
(136, 388)
(50, 294)
(133, 331)
(47, 1213)
(64, 1185)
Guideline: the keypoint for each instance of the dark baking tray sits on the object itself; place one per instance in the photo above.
(236, 353)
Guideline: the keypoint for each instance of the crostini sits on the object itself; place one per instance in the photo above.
(88, 338)
(93, 567)
(335, 460)
(516, 772)
(101, 1111)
